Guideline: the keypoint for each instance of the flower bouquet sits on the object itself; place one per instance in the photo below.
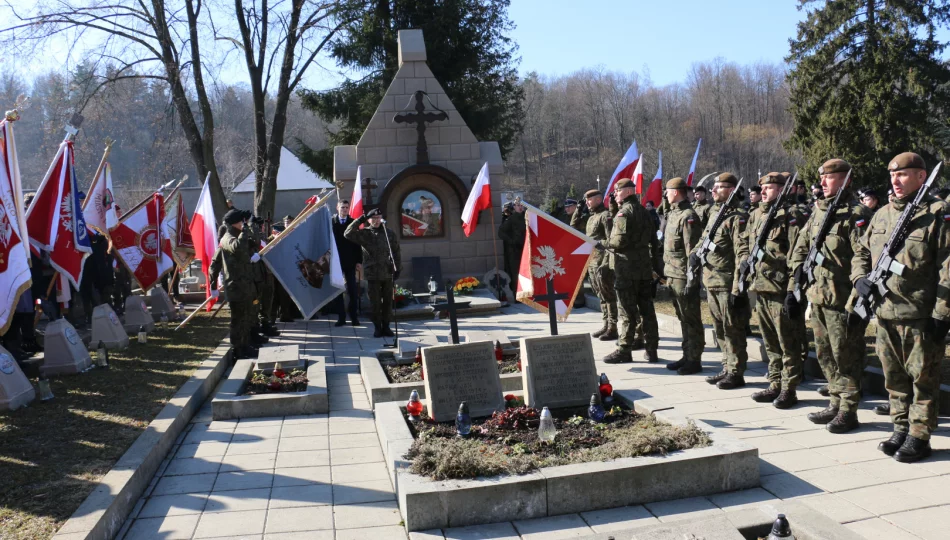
(402, 296)
(465, 285)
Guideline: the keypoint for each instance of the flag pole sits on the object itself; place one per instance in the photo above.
(195, 312)
(102, 165)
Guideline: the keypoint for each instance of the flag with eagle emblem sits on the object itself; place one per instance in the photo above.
(14, 255)
(99, 208)
(141, 244)
(552, 250)
(176, 228)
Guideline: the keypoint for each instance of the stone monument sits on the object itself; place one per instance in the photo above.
(63, 350)
(15, 389)
(107, 328)
(491, 336)
(558, 371)
(137, 315)
(161, 303)
(457, 373)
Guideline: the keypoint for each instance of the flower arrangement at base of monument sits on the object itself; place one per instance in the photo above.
(401, 296)
(466, 285)
(277, 382)
(402, 373)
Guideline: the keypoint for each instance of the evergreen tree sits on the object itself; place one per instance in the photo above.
(468, 51)
(867, 83)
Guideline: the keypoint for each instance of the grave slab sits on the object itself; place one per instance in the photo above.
(107, 328)
(15, 389)
(456, 373)
(137, 315)
(288, 356)
(161, 304)
(492, 336)
(558, 371)
(230, 402)
(63, 350)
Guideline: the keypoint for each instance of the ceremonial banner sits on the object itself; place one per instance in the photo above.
(99, 209)
(356, 202)
(204, 229)
(692, 167)
(305, 261)
(14, 259)
(552, 250)
(175, 227)
(55, 220)
(140, 244)
(625, 169)
(479, 199)
(655, 191)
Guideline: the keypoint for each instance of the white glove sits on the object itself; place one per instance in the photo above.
(255, 257)
(214, 293)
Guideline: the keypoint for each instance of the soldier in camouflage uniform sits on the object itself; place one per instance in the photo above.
(840, 348)
(680, 237)
(805, 207)
(235, 259)
(378, 266)
(701, 205)
(636, 260)
(512, 233)
(728, 308)
(913, 318)
(263, 281)
(596, 225)
(770, 284)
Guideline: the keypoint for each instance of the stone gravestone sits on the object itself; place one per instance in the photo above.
(408, 345)
(492, 336)
(15, 389)
(457, 373)
(107, 328)
(422, 269)
(161, 304)
(558, 371)
(137, 315)
(63, 350)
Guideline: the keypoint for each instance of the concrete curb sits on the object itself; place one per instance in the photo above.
(229, 404)
(104, 511)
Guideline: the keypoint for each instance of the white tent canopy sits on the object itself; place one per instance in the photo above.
(292, 175)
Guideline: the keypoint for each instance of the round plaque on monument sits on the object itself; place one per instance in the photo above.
(113, 318)
(72, 336)
(6, 364)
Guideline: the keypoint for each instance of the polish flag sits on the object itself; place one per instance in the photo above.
(638, 177)
(356, 202)
(626, 166)
(479, 199)
(204, 229)
(692, 167)
(655, 191)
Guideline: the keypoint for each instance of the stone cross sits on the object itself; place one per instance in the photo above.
(449, 306)
(419, 118)
(551, 297)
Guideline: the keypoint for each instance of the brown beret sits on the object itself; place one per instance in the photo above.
(676, 183)
(907, 160)
(623, 183)
(592, 193)
(727, 178)
(773, 178)
(834, 166)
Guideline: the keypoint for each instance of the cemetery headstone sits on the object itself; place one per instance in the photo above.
(136, 314)
(422, 269)
(408, 345)
(288, 356)
(63, 350)
(558, 371)
(457, 373)
(500, 336)
(15, 389)
(107, 328)
(161, 303)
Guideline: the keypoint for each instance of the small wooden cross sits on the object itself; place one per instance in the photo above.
(551, 297)
(449, 306)
(419, 118)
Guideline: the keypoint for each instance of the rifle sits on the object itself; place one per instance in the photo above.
(805, 275)
(707, 245)
(747, 271)
(886, 264)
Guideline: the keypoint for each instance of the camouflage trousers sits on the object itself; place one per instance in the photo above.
(801, 329)
(381, 301)
(730, 331)
(265, 293)
(911, 362)
(840, 355)
(243, 319)
(636, 302)
(687, 306)
(781, 341)
(602, 281)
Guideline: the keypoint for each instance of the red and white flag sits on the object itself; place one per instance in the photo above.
(175, 227)
(655, 191)
(204, 231)
(638, 176)
(625, 169)
(552, 250)
(14, 252)
(99, 207)
(55, 221)
(692, 167)
(140, 244)
(479, 199)
(356, 202)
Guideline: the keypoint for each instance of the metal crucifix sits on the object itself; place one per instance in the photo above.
(419, 118)
(551, 297)
(450, 306)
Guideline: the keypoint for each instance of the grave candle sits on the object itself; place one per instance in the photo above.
(546, 430)
(463, 421)
(414, 407)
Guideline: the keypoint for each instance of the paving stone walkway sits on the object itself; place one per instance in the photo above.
(322, 477)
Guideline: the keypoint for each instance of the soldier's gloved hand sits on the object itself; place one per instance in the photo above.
(257, 220)
(940, 330)
(255, 257)
(792, 308)
(373, 212)
(864, 287)
(694, 261)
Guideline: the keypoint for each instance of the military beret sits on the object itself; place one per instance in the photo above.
(727, 178)
(373, 211)
(623, 183)
(834, 166)
(700, 188)
(592, 193)
(570, 202)
(773, 178)
(233, 216)
(755, 189)
(676, 183)
(907, 160)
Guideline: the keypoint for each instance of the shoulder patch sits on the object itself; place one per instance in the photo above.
(862, 222)
(742, 221)
(792, 221)
(690, 220)
(619, 214)
(946, 217)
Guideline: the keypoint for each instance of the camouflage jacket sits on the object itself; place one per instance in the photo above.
(924, 288)
(832, 286)
(683, 229)
(237, 267)
(703, 210)
(596, 226)
(636, 248)
(772, 271)
(513, 230)
(258, 271)
(721, 272)
(377, 266)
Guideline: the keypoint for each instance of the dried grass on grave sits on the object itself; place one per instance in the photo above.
(413, 372)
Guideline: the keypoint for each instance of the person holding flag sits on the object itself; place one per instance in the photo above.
(237, 260)
(597, 226)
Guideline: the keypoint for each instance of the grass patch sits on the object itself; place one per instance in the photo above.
(52, 454)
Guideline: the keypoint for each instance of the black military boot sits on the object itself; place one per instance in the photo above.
(258, 339)
(387, 331)
(883, 409)
(651, 356)
(843, 422)
(690, 367)
(611, 333)
(270, 330)
(674, 366)
(786, 400)
(340, 322)
(354, 320)
(377, 332)
(768, 395)
(912, 450)
(717, 377)
(892, 445)
(823, 390)
(618, 357)
(638, 344)
(730, 381)
(602, 331)
(823, 416)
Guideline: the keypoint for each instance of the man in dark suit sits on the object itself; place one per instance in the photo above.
(351, 259)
